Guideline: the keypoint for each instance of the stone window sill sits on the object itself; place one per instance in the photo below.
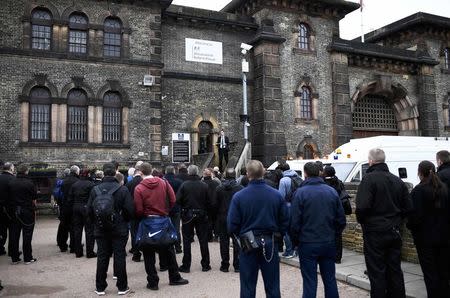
(299, 51)
(306, 121)
(72, 145)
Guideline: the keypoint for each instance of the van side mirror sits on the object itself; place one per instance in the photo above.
(402, 173)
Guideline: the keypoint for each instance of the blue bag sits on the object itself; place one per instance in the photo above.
(155, 231)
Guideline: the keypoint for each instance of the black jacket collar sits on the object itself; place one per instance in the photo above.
(444, 166)
(379, 167)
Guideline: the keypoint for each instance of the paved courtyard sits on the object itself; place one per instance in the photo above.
(62, 275)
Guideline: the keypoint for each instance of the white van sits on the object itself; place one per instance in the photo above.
(403, 155)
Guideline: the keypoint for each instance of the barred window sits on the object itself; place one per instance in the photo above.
(112, 118)
(374, 113)
(40, 111)
(306, 104)
(41, 29)
(303, 36)
(112, 40)
(447, 58)
(77, 116)
(78, 36)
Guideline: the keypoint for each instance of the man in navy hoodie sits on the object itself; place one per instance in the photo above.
(316, 217)
(260, 209)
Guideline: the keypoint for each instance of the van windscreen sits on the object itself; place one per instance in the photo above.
(343, 169)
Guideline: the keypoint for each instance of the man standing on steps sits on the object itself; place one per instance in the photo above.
(223, 142)
(382, 202)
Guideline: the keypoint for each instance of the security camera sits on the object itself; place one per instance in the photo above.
(246, 47)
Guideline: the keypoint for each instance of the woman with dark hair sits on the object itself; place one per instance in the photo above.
(429, 223)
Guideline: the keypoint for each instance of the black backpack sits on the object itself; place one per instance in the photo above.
(103, 205)
(296, 181)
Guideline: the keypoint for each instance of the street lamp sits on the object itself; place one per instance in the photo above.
(245, 69)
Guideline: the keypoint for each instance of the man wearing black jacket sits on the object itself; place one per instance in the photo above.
(112, 241)
(176, 210)
(23, 195)
(137, 178)
(382, 202)
(5, 204)
(212, 185)
(224, 146)
(194, 202)
(78, 199)
(224, 193)
(65, 212)
(443, 172)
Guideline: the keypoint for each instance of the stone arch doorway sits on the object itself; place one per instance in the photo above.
(204, 134)
(308, 149)
(205, 137)
(382, 107)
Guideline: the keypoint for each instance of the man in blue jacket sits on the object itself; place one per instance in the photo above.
(260, 209)
(316, 217)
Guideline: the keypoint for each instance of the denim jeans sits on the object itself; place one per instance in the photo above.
(322, 254)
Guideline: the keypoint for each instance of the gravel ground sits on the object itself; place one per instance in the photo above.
(59, 274)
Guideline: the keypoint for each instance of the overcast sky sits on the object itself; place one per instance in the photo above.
(377, 13)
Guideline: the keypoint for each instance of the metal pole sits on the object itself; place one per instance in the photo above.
(245, 112)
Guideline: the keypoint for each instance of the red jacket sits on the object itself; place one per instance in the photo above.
(150, 197)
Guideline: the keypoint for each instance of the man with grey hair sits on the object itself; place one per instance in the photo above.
(382, 202)
(195, 203)
(65, 214)
(5, 204)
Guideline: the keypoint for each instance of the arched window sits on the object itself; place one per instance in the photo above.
(112, 118)
(447, 58)
(112, 41)
(303, 36)
(41, 29)
(308, 152)
(40, 111)
(305, 104)
(77, 116)
(78, 33)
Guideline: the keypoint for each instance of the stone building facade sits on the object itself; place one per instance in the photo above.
(74, 79)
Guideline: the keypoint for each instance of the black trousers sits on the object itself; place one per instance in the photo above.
(4, 223)
(175, 218)
(225, 247)
(23, 223)
(223, 154)
(200, 224)
(106, 246)
(80, 220)
(382, 254)
(134, 225)
(434, 263)
(338, 247)
(167, 256)
(65, 228)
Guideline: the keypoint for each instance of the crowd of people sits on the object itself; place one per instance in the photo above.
(259, 214)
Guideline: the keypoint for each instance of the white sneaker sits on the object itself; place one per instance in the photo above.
(115, 277)
(124, 292)
(34, 260)
(100, 293)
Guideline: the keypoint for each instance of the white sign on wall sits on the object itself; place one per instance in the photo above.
(204, 51)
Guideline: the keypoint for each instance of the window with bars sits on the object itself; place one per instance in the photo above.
(112, 118)
(40, 111)
(303, 36)
(447, 58)
(77, 116)
(78, 36)
(305, 104)
(112, 37)
(41, 30)
(374, 113)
